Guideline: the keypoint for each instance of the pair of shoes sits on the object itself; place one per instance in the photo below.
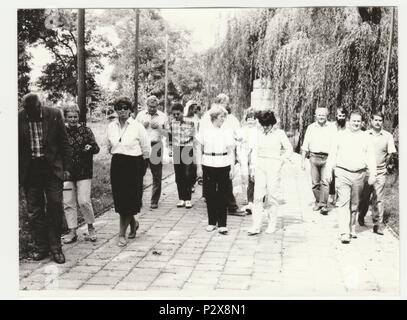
(70, 237)
(40, 255)
(91, 235)
(361, 220)
(252, 232)
(132, 234)
(188, 204)
(181, 204)
(316, 207)
(122, 242)
(58, 257)
(378, 230)
(223, 230)
(210, 228)
(324, 211)
(154, 206)
(345, 238)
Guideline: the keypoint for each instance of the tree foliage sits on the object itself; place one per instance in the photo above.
(330, 57)
(30, 22)
(184, 76)
(59, 76)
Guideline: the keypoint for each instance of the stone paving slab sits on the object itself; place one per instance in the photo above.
(173, 253)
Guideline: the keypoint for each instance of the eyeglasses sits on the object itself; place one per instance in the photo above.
(119, 108)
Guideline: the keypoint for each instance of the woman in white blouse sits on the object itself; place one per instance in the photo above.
(215, 160)
(129, 145)
(266, 163)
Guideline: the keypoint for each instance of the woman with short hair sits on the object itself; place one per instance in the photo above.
(181, 143)
(266, 163)
(77, 189)
(130, 148)
(215, 161)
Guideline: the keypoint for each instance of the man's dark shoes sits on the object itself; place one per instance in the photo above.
(39, 255)
(378, 230)
(154, 206)
(58, 257)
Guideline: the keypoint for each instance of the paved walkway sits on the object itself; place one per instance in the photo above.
(173, 252)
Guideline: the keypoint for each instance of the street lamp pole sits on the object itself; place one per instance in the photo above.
(81, 67)
(166, 73)
(386, 76)
(136, 62)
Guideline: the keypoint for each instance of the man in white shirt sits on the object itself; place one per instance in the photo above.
(317, 142)
(156, 124)
(351, 154)
(339, 124)
(383, 143)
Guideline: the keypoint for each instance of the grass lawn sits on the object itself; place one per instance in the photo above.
(101, 192)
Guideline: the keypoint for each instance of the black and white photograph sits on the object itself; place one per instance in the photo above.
(208, 151)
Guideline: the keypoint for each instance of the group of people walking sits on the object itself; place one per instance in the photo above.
(56, 160)
(351, 164)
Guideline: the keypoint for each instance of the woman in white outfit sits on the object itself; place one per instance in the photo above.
(215, 160)
(266, 164)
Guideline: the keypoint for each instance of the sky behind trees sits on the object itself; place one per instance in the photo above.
(207, 27)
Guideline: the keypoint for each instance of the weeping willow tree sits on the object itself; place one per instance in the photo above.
(230, 67)
(331, 57)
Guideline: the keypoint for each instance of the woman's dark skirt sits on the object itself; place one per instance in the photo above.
(126, 177)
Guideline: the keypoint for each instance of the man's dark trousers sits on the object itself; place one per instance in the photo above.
(156, 167)
(43, 190)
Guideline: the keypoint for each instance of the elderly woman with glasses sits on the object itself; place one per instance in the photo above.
(130, 148)
(215, 161)
(77, 189)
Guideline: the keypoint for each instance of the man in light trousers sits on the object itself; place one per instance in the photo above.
(350, 155)
(317, 142)
(383, 143)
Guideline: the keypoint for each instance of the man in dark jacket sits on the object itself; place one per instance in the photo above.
(44, 163)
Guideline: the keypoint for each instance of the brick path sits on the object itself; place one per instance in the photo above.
(173, 252)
